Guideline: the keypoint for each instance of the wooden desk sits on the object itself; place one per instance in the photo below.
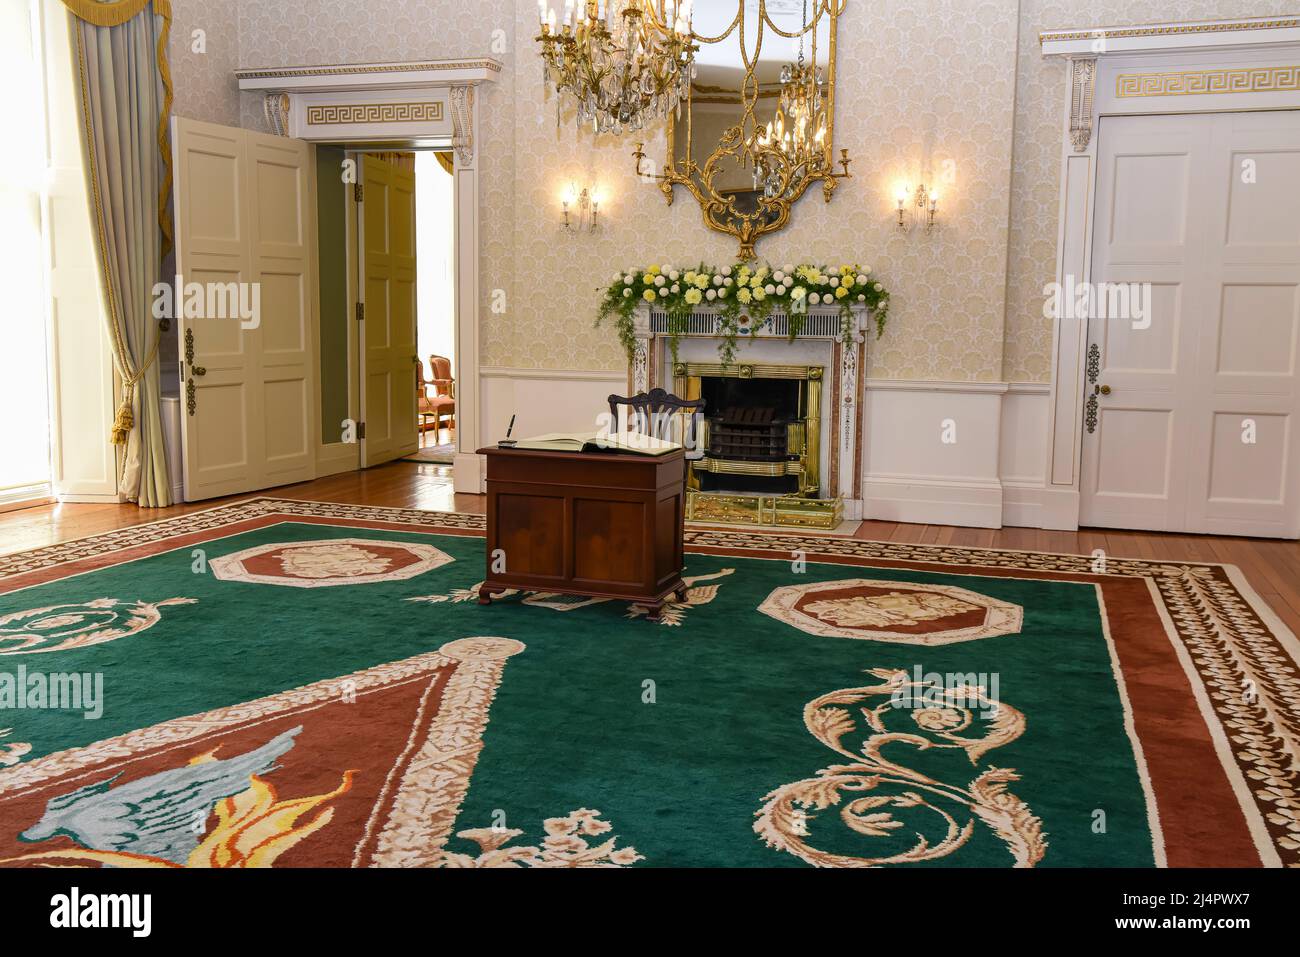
(602, 525)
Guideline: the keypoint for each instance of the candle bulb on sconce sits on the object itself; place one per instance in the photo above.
(924, 199)
(580, 209)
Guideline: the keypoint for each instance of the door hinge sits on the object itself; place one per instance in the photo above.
(358, 192)
(361, 311)
(361, 430)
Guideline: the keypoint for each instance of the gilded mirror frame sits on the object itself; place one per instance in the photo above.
(739, 142)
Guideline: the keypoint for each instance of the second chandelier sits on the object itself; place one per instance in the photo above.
(622, 63)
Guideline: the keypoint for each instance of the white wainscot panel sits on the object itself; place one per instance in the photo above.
(541, 401)
(1022, 458)
(545, 401)
(992, 474)
(931, 452)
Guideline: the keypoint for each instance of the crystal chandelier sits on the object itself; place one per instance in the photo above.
(795, 139)
(623, 63)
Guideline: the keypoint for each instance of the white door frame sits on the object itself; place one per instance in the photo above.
(426, 103)
(1196, 67)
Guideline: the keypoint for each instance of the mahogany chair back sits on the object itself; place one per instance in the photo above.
(661, 414)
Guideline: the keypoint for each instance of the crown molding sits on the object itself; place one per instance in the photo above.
(1242, 33)
(350, 77)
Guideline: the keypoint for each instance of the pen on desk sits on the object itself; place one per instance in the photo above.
(511, 427)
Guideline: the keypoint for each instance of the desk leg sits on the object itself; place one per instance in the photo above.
(485, 593)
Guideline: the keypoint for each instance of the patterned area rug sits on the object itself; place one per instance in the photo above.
(304, 684)
(438, 454)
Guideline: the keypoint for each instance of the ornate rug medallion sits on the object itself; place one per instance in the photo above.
(336, 561)
(78, 625)
(892, 611)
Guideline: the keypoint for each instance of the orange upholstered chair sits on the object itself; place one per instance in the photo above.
(442, 404)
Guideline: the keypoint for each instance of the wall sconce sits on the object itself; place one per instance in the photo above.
(925, 200)
(580, 208)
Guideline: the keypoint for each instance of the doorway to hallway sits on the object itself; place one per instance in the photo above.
(435, 306)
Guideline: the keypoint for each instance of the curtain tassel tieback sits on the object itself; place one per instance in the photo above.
(124, 421)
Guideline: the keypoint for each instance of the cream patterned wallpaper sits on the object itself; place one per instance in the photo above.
(204, 52)
(919, 85)
(901, 112)
(1035, 182)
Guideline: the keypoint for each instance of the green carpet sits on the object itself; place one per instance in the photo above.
(674, 733)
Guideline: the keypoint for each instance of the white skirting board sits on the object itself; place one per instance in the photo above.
(932, 502)
(935, 452)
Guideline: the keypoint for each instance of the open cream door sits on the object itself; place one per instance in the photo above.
(245, 216)
(388, 407)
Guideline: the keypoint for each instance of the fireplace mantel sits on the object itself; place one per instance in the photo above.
(844, 356)
(650, 324)
(820, 323)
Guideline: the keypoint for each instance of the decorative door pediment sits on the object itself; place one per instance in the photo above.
(426, 102)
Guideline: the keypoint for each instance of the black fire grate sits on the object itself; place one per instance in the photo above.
(749, 434)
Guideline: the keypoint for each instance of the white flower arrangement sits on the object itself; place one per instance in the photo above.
(759, 291)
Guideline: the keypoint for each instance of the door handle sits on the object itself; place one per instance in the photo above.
(189, 354)
(191, 401)
(1090, 407)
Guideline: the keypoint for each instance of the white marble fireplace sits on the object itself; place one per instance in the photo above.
(818, 353)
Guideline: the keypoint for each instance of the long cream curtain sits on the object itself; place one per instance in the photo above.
(125, 85)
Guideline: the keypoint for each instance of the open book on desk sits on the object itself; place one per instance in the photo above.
(632, 442)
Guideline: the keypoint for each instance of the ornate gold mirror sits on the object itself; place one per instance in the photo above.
(755, 129)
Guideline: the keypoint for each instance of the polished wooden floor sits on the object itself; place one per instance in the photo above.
(1272, 567)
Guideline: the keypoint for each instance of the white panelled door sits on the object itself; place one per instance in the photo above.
(245, 218)
(1191, 420)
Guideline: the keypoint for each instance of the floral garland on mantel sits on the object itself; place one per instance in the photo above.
(744, 290)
